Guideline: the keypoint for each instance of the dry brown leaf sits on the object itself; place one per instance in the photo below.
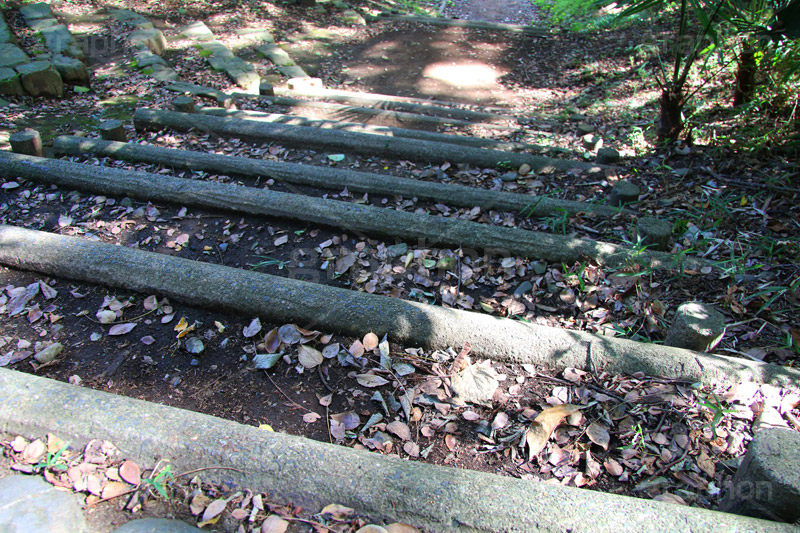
(214, 509)
(337, 511)
(451, 442)
(598, 433)
(370, 341)
(543, 426)
(309, 357)
(274, 524)
(130, 472)
(613, 467)
(400, 429)
(113, 489)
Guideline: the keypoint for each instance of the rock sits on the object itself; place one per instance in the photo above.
(4, 103)
(351, 16)
(255, 35)
(592, 142)
(26, 142)
(216, 49)
(524, 169)
(304, 83)
(622, 193)
(226, 102)
(113, 130)
(275, 54)
(246, 77)
(40, 24)
(50, 353)
(607, 156)
(161, 73)
(196, 31)
(584, 128)
(767, 484)
(539, 267)
(654, 232)
(577, 117)
(146, 58)
(12, 55)
(59, 40)
(396, 250)
(41, 78)
(6, 34)
(266, 89)
(40, 10)
(131, 18)
(10, 83)
(152, 39)
(523, 288)
(28, 503)
(509, 176)
(184, 104)
(697, 327)
(72, 70)
(156, 525)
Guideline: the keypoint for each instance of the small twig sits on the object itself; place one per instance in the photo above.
(668, 465)
(322, 379)
(284, 394)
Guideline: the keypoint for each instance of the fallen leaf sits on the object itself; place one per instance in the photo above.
(121, 329)
(310, 418)
(214, 509)
(104, 316)
(451, 442)
(598, 433)
(348, 419)
(274, 524)
(370, 341)
(670, 498)
(309, 357)
(613, 467)
(150, 303)
(470, 415)
(331, 350)
(17, 303)
(543, 426)
(130, 472)
(283, 239)
(400, 429)
(411, 448)
(476, 383)
(47, 291)
(289, 334)
(336, 511)
(112, 489)
(252, 329)
(199, 502)
(370, 380)
(264, 361)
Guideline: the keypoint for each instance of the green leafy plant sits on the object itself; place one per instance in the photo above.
(159, 481)
(54, 460)
(269, 261)
(718, 412)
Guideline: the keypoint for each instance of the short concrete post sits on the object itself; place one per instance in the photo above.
(697, 327)
(226, 102)
(654, 232)
(266, 89)
(184, 104)
(26, 142)
(623, 192)
(113, 130)
(767, 484)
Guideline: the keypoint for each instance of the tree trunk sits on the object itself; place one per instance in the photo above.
(745, 77)
(671, 122)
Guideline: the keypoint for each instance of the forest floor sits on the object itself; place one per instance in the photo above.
(731, 197)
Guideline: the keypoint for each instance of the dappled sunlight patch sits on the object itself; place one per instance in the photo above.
(464, 75)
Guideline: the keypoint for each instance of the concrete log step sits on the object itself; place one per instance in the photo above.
(410, 227)
(313, 474)
(360, 143)
(332, 178)
(468, 24)
(401, 105)
(387, 131)
(285, 300)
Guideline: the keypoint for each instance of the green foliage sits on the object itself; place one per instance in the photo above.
(159, 481)
(573, 14)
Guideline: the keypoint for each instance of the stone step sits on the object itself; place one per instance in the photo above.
(282, 61)
(285, 300)
(312, 474)
(149, 44)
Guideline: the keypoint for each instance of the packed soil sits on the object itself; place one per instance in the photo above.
(637, 435)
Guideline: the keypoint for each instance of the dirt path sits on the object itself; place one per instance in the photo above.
(507, 11)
